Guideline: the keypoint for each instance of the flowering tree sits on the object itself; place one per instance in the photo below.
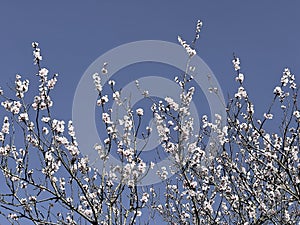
(254, 177)
(241, 171)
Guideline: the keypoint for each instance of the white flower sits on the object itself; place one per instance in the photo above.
(293, 86)
(70, 220)
(116, 95)
(104, 69)
(16, 107)
(30, 126)
(268, 116)
(111, 82)
(51, 83)
(285, 76)
(149, 129)
(152, 164)
(102, 100)
(250, 108)
(97, 82)
(145, 198)
(21, 86)
(7, 105)
(45, 119)
(106, 141)
(13, 216)
(58, 126)
(198, 28)
(288, 78)
(140, 112)
(241, 93)
(193, 184)
(240, 78)
(5, 126)
(110, 130)
(296, 114)
(88, 212)
(106, 118)
(191, 52)
(34, 44)
(142, 167)
(45, 130)
(277, 91)
(163, 174)
(172, 103)
(43, 72)
(236, 64)
(32, 198)
(36, 52)
(71, 129)
(23, 117)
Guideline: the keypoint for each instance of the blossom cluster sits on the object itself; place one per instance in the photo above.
(43, 100)
(198, 28)
(21, 86)
(36, 53)
(191, 52)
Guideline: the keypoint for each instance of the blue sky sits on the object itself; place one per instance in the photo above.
(72, 34)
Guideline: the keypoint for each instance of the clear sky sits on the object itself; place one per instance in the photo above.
(72, 34)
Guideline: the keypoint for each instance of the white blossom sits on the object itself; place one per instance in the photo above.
(236, 63)
(268, 116)
(97, 82)
(278, 91)
(58, 126)
(241, 93)
(140, 112)
(104, 68)
(240, 78)
(13, 216)
(145, 197)
(172, 103)
(296, 113)
(191, 52)
(102, 100)
(5, 126)
(23, 117)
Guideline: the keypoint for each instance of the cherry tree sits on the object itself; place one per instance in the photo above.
(47, 180)
(254, 176)
(235, 169)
